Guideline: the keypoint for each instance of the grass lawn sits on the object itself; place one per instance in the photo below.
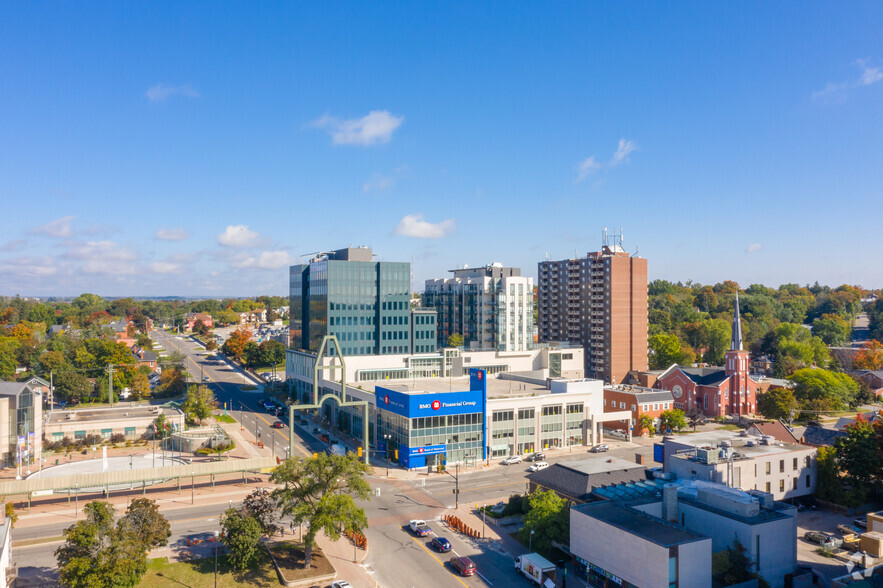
(224, 418)
(730, 427)
(290, 557)
(200, 573)
(248, 388)
(264, 370)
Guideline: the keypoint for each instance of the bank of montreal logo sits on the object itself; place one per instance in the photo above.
(386, 399)
(479, 374)
(436, 405)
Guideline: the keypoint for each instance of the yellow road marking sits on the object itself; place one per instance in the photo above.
(440, 562)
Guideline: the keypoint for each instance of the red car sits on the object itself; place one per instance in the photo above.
(278, 425)
(463, 565)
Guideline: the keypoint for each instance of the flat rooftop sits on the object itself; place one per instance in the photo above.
(739, 443)
(496, 388)
(601, 465)
(108, 414)
(638, 523)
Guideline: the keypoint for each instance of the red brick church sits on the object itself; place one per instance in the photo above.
(717, 391)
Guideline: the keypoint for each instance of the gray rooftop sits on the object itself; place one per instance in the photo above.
(496, 388)
(739, 443)
(638, 523)
(109, 414)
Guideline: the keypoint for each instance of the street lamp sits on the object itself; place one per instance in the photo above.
(77, 503)
(530, 542)
(386, 444)
(483, 509)
(192, 486)
(216, 558)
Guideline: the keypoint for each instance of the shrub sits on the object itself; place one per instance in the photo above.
(117, 438)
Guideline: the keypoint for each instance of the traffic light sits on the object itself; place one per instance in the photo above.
(397, 453)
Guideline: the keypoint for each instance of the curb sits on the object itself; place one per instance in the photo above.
(313, 580)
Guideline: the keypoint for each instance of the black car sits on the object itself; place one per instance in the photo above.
(278, 425)
(440, 544)
(538, 457)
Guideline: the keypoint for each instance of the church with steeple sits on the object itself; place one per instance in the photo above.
(716, 391)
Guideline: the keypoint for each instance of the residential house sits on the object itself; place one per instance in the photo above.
(191, 318)
(144, 357)
(776, 429)
(874, 380)
(253, 317)
(121, 331)
(816, 436)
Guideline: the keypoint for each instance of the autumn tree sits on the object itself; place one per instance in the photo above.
(144, 520)
(260, 505)
(455, 340)
(647, 423)
(870, 356)
(320, 492)
(235, 345)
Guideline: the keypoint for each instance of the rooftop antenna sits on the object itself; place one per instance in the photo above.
(620, 236)
(548, 257)
(604, 237)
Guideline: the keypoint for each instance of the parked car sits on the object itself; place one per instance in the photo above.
(206, 379)
(849, 530)
(463, 566)
(341, 584)
(618, 433)
(512, 459)
(823, 539)
(600, 448)
(861, 522)
(537, 457)
(278, 425)
(440, 544)
(419, 527)
(540, 465)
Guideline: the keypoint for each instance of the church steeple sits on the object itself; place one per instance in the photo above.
(736, 342)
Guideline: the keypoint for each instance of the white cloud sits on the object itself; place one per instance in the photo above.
(587, 167)
(271, 260)
(60, 228)
(375, 127)
(378, 182)
(413, 225)
(238, 236)
(15, 245)
(754, 247)
(172, 234)
(103, 257)
(622, 152)
(29, 267)
(837, 91)
(590, 165)
(164, 267)
(161, 92)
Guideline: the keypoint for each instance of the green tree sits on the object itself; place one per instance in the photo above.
(260, 505)
(320, 492)
(777, 403)
(143, 519)
(647, 423)
(732, 566)
(98, 554)
(455, 340)
(72, 386)
(667, 349)
(823, 390)
(548, 518)
(241, 537)
(716, 335)
(858, 456)
(8, 357)
(829, 484)
(199, 403)
(831, 329)
(673, 419)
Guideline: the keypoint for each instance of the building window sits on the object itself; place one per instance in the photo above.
(781, 466)
(768, 468)
(130, 431)
(106, 433)
(56, 437)
(807, 481)
(795, 464)
(795, 483)
(79, 435)
(781, 485)
(768, 487)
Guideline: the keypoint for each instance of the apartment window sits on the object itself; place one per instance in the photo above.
(795, 464)
(781, 466)
(807, 480)
(768, 471)
(781, 485)
(768, 487)
(622, 405)
(795, 483)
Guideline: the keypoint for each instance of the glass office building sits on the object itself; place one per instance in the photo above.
(346, 293)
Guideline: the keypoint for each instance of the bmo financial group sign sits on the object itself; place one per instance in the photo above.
(430, 403)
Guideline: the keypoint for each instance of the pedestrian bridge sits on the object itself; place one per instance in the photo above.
(129, 479)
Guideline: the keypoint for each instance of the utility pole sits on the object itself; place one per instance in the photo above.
(110, 384)
(51, 391)
(456, 486)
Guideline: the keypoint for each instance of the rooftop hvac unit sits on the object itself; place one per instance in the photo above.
(743, 433)
(726, 443)
(766, 439)
(750, 443)
(707, 455)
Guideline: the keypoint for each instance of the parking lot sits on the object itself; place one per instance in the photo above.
(825, 521)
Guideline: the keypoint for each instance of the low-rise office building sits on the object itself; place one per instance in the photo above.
(131, 421)
(647, 528)
(21, 420)
(639, 401)
(576, 480)
(739, 460)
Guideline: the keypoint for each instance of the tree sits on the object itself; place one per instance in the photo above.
(72, 386)
(272, 352)
(548, 518)
(673, 419)
(831, 329)
(870, 356)
(171, 382)
(319, 491)
(9, 509)
(695, 417)
(260, 505)
(144, 520)
(777, 403)
(667, 349)
(732, 566)
(211, 345)
(823, 390)
(829, 485)
(140, 386)
(455, 340)
(235, 344)
(199, 403)
(97, 554)
(716, 335)
(647, 423)
(857, 454)
(241, 537)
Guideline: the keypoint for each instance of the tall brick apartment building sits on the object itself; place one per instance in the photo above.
(599, 302)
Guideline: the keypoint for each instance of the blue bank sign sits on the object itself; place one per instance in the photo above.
(432, 404)
(426, 450)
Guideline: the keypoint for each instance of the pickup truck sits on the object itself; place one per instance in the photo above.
(420, 528)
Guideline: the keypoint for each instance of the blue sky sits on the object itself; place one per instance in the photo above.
(200, 148)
